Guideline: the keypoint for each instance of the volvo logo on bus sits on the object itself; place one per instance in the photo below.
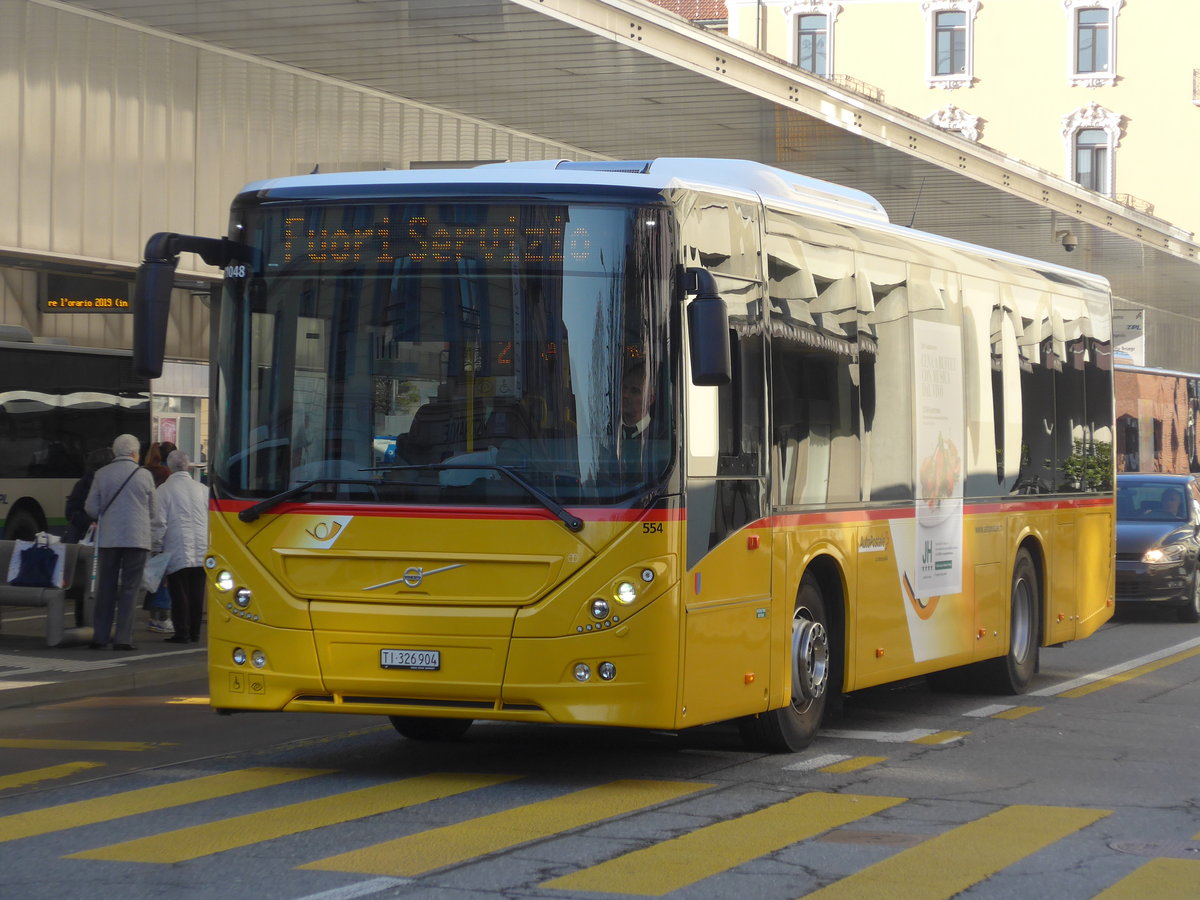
(413, 576)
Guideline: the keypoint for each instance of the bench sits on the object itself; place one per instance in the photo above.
(77, 575)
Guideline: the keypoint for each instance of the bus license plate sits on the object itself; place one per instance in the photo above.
(428, 660)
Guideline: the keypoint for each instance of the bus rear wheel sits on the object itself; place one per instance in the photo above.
(426, 728)
(793, 727)
(1011, 673)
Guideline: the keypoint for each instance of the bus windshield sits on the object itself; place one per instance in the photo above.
(424, 351)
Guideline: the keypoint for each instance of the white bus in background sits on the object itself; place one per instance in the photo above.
(58, 404)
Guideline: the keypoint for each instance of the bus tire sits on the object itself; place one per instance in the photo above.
(793, 727)
(427, 728)
(21, 525)
(1012, 672)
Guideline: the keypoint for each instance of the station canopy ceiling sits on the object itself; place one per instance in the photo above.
(628, 80)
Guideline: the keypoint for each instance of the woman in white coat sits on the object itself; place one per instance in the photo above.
(182, 527)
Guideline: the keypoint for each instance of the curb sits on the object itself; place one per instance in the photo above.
(87, 684)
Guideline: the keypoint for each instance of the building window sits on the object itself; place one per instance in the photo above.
(812, 44)
(950, 25)
(1092, 36)
(811, 34)
(1091, 40)
(1091, 135)
(1091, 159)
(950, 43)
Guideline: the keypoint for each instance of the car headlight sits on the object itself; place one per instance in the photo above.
(1171, 555)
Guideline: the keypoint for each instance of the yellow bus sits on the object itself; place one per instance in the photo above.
(647, 444)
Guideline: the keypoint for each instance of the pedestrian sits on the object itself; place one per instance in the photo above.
(182, 529)
(121, 500)
(78, 521)
(155, 461)
(158, 601)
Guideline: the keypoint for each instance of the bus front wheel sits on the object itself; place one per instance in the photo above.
(425, 728)
(793, 727)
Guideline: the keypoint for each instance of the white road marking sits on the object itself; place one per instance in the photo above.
(1056, 689)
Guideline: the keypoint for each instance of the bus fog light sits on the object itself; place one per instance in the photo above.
(607, 671)
(582, 671)
(224, 581)
(239, 657)
(258, 659)
(626, 593)
(243, 597)
(599, 609)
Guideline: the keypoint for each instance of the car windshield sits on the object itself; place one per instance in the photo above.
(1152, 501)
(446, 352)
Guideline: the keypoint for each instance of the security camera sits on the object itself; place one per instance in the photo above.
(1069, 241)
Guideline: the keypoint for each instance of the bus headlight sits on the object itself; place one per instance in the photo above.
(607, 671)
(582, 671)
(625, 593)
(224, 581)
(239, 657)
(242, 598)
(599, 609)
(258, 659)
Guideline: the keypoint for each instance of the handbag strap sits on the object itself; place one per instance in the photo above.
(118, 493)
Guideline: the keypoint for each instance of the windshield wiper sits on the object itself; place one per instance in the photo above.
(250, 513)
(574, 523)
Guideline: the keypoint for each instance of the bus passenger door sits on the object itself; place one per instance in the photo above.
(727, 585)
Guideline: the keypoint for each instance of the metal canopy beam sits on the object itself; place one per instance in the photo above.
(626, 79)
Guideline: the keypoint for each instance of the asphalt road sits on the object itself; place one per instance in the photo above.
(1085, 787)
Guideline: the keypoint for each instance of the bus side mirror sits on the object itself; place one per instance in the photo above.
(708, 330)
(151, 305)
(152, 290)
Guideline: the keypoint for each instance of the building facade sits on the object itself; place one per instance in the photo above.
(1103, 92)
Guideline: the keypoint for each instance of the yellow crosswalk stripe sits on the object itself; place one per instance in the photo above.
(945, 865)
(254, 828)
(428, 850)
(33, 776)
(78, 746)
(853, 764)
(941, 737)
(1157, 878)
(1016, 712)
(681, 861)
(162, 796)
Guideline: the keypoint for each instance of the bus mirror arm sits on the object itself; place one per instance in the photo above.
(153, 285)
(708, 330)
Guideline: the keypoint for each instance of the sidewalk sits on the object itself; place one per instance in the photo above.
(32, 673)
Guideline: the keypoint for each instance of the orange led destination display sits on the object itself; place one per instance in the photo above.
(417, 239)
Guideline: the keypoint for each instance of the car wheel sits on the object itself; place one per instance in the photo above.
(1191, 612)
(793, 727)
(427, 728)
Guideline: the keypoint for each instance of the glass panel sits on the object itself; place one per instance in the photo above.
(1091, 52)
(416, 348)
(813, 45)
(950, 54)
(56, 406)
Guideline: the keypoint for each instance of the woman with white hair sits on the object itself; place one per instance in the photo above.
(182, 530)
(121, 500)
